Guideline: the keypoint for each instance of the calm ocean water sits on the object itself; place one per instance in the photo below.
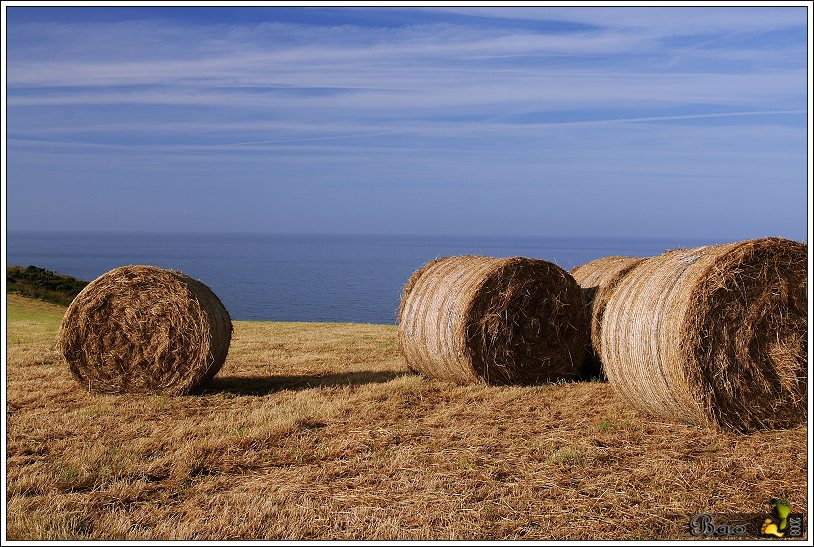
(302, 277)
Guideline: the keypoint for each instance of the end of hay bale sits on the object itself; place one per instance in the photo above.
(142, 329)
(750, 360)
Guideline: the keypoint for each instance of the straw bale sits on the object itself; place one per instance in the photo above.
(142, 329)
(712, 336)
(474, 319)
(593, 277)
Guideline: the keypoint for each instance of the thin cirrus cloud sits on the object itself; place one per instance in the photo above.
(615, 95)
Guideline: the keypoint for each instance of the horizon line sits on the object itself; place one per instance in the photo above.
(397, 234)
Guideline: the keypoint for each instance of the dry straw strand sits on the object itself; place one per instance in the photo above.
(712, 335)
(142, 329)
(593, 277)
(475, 319)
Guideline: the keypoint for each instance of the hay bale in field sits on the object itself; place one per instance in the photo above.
(593, 277)
(713, 335)
(141, 329)
(473, 319)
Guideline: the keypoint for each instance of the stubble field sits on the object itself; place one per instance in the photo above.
(319, 431)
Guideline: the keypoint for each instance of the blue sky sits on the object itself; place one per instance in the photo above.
(677, 122)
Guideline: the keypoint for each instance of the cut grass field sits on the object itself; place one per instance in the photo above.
(318, 431)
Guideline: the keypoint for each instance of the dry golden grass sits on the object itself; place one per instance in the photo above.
(317, 431)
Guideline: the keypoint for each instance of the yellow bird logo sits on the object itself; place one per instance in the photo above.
(776, 525)
(769, 528)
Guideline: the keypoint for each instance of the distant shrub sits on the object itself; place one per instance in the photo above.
(35, 282)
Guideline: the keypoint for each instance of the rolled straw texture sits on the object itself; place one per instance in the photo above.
(142, 329)
(474, 319)
(712, 336)
(593, 277)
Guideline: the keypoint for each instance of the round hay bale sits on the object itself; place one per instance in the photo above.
(141, 329)
(713, 335)
(593, 277)
(474, 319)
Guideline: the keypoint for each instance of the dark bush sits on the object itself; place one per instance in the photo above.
(35, 282)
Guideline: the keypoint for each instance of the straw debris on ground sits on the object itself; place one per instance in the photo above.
(319, 431)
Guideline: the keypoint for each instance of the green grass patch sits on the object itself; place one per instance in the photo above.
(30, 319)
(568, 457)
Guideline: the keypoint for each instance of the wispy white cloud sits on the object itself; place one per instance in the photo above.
(418, 70)
(386, 91)
(656, 20)
(520, 138)
(277, 64)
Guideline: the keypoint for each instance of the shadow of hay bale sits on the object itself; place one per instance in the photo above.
(265, 385)
(593, 277)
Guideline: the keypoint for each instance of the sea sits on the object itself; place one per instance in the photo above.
(299, 277)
